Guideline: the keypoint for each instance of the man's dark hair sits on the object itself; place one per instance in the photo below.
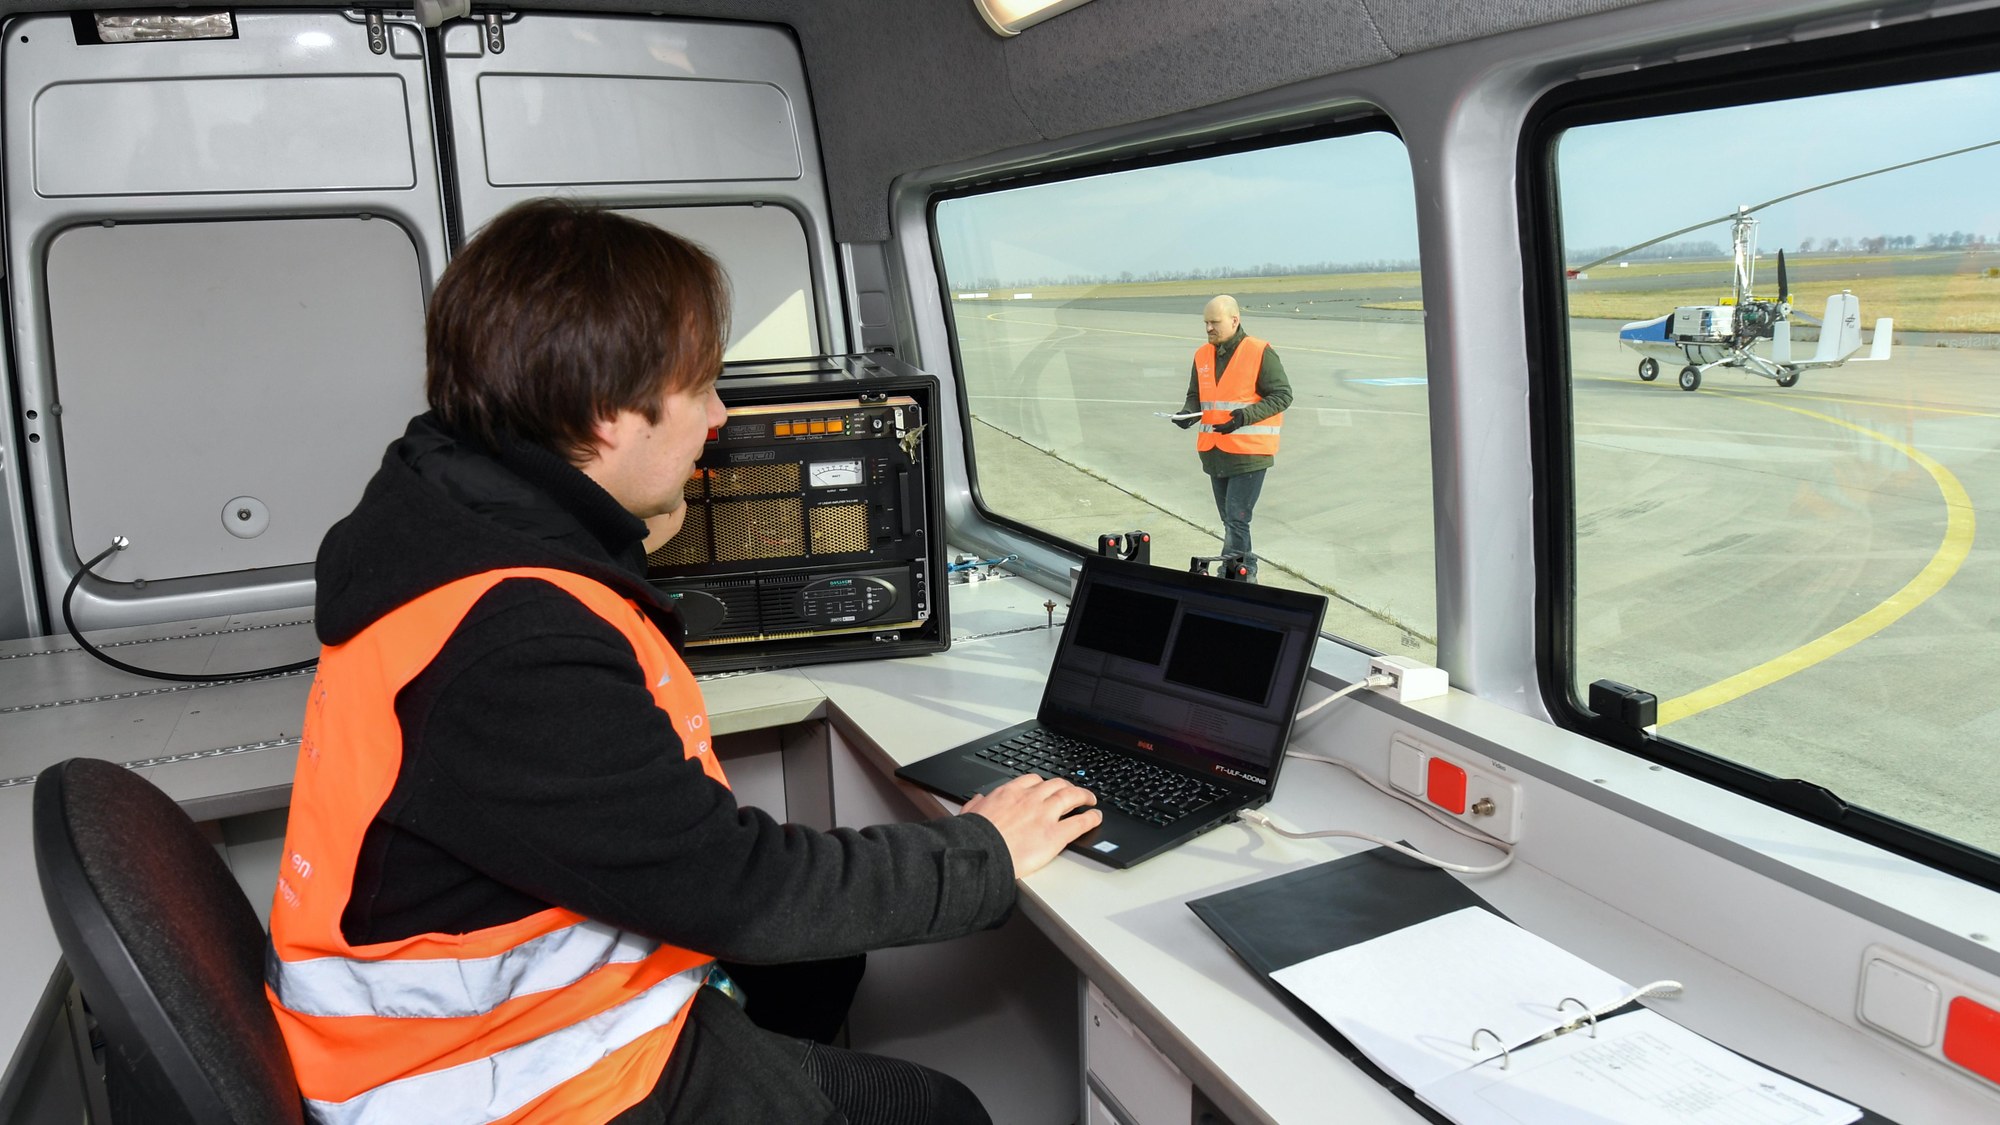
(559, 314)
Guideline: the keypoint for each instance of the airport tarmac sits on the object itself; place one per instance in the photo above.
(1794, 572)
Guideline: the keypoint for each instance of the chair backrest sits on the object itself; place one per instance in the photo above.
(165, 947)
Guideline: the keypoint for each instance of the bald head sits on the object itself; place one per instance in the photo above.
(1222, 316)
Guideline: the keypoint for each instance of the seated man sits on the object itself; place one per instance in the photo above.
(513, 857)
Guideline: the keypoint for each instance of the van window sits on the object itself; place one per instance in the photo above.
(1783, 430)
(763, 251)
(1078, 309)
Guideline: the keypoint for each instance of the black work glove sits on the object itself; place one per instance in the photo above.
(1190, 420)
(1234, 424)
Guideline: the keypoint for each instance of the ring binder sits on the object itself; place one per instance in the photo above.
(1587, 1015)
(1506, 1056)
(1352, 946)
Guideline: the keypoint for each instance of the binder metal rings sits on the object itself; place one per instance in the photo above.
(1588, 1016)
(1506, 1056)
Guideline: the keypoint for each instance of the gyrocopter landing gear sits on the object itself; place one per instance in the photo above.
(1649, 369)
(1690, 377)
(1789, 379)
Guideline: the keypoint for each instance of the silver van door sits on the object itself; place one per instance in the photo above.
(218, 256)
(703, 128)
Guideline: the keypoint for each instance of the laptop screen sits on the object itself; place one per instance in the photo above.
(1201, 672)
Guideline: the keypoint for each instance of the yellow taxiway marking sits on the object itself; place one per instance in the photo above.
(1875, 402)
(1728, 393)
(1191, 339)
(1945, 561)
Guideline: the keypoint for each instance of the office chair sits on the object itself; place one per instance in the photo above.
(166, 949)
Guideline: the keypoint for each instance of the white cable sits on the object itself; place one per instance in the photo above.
(1455, 825)
(1381, 680)
(1377, 680)
(1470, 833)
(1252, 816)
(1647, 991)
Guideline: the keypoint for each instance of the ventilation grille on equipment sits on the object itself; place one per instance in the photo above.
(758, 529)
(839, 528)
(768, 527)
(755, 480)
(690, 546)
(778, 606)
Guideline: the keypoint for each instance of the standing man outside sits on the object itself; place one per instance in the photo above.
(513, 860)
(1239, 387)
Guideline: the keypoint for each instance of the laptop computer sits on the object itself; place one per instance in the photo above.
(1171, 697)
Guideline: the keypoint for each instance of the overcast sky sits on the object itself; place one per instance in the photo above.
(1349, 199)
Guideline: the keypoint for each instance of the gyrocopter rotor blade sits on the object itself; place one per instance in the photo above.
(1755, 207)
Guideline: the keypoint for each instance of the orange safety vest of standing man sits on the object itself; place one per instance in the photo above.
(548, 1018)
(1235, 390)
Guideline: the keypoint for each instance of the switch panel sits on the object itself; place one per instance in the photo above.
(1476, 790)
(1930, 1011)
(1900, 1002)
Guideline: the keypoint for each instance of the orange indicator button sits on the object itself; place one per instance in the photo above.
(1972, 1037)
(1446, 786)
(782, 429)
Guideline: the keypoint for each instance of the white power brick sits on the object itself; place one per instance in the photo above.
(1414, 680)
(1480, 793)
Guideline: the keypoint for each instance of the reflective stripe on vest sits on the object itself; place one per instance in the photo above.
(503, 1023)
(487, 1090)
(445, 987)
(1235, 390)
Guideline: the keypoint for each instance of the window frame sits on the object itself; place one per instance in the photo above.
(1351, 120)
(1904, 54)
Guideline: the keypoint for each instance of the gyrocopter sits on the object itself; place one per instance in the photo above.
(1705, 337)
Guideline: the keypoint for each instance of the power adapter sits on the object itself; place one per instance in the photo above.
(1412, 680)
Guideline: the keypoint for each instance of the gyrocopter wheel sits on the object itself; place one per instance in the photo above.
(1690, 377)
(1649, 369)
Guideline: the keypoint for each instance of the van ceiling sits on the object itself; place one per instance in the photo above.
(902, 85)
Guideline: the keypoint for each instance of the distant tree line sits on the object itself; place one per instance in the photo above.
(1197, 273)
(1937, 240)
(1838, 244)
(1844, 244)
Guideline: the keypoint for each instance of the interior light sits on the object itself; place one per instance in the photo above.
(148, 27)
(1008, 17)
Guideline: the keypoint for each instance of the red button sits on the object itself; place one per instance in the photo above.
(1446, 786)
(1972, 1037)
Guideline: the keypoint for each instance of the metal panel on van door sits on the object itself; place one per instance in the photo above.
(220, 252)
(667, 120)
(228, 387)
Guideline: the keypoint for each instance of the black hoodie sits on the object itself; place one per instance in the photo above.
(537, 771)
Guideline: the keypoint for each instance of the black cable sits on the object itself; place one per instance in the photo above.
(119, 543)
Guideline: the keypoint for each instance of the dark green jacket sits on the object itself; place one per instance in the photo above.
(1272, 387)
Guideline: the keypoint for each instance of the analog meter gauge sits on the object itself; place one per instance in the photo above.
(834, 474)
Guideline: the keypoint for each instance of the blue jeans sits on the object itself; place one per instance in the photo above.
(1235, 498)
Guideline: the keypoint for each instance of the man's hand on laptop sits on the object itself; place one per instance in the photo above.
(1033, 816)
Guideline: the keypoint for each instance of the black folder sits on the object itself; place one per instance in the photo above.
(1281, 921)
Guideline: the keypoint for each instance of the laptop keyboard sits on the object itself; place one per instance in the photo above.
(1139, 789)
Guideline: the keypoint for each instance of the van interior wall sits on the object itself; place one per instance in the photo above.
(902, 85)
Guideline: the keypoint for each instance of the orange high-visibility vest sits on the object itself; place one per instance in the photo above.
(1235, 390)
(550, 1018)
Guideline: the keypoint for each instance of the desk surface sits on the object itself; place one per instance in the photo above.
(227, 750)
